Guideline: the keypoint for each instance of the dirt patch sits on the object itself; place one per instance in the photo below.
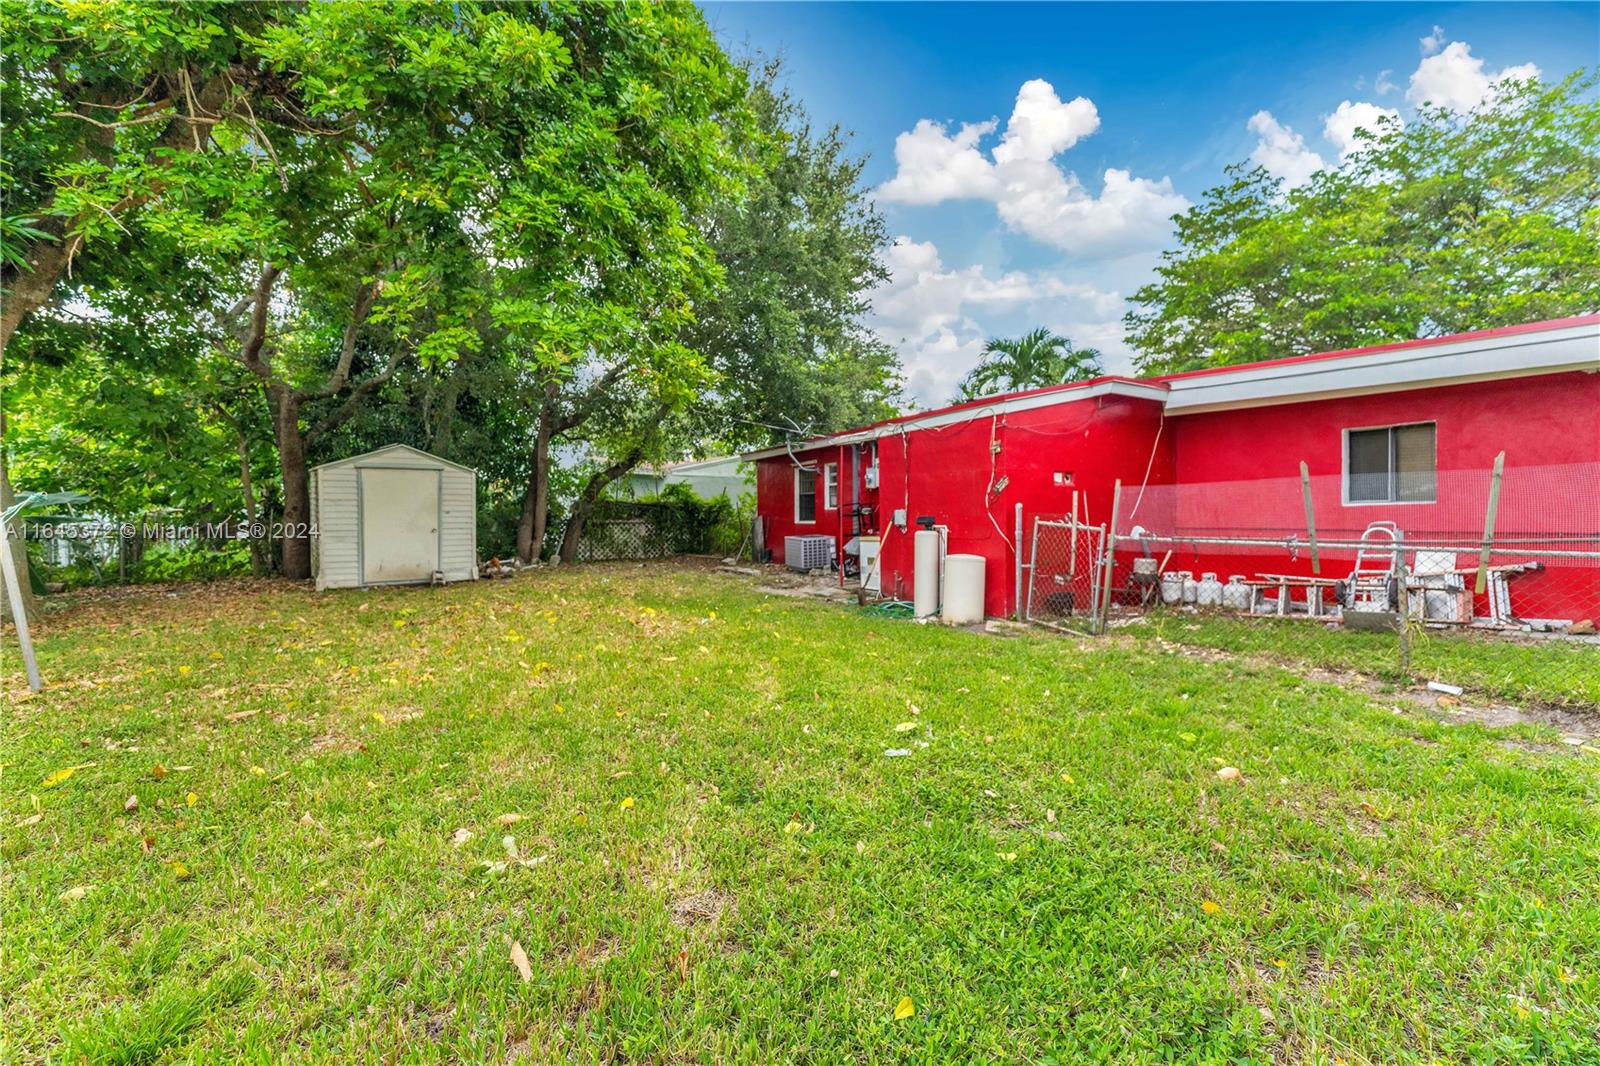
(1577, 727)
(700, 908)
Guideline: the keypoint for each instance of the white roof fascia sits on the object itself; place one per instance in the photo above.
(1575, 347)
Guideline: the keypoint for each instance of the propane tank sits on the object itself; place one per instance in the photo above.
(1172, 588)
(925, 574)
(1236, 594)
(1209, 592)
(1191, 587)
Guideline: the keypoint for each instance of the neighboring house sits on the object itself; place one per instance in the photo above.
(1402, 432)
(709, 478)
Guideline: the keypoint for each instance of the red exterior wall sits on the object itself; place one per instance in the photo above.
(1238, 473)
(1229, 472)
(945, 472)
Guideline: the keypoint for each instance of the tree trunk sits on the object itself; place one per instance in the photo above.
(258, 544)
(590, 496)
(296, 482)
(536, 501)
(16, 546)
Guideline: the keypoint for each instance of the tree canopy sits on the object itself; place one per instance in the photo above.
(1034, 360)
(546, 240)
(1450, 222)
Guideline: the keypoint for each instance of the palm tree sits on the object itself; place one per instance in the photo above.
(1030, 361)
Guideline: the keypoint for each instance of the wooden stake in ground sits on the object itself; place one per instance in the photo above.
(1111, 554)
(1311, 520)
(1488, 524)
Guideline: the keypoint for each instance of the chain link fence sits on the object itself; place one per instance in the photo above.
(1064, 579)
(1503, 550)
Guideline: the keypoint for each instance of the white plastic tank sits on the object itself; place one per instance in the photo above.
(925, 574)
(1209, 592)
(1191, 587)
(1172, 587)
(963, 589)
(1236, 594)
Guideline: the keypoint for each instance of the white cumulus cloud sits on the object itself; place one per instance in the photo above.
(938, 318)
(1455, 78)
(1341, 126)
(1282, 151)
(1031, 193)
(1432, 42)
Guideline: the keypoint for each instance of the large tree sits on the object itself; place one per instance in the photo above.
(801, 246)
(1031, 361)
(1449, 222)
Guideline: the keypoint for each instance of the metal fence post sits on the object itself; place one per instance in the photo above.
(1405, 603)
(1109, 551)
(1017, 541)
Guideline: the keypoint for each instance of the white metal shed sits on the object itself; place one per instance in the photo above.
(393, 516)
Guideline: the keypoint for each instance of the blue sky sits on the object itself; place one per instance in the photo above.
(1026, 156)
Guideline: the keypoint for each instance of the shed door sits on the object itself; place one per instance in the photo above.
(399, 524)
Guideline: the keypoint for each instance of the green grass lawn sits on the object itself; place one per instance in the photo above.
(714, 860)
(1559, 672)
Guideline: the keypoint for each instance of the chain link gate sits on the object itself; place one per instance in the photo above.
(1064, 575)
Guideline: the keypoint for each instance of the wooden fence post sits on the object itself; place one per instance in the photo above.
(1311, 521)
(1110, 548)
(1488, 524)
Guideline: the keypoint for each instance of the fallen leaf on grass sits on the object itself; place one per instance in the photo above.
(191, 799)
(904, 1009)
(32, 819)
(1050, 814)
(509, 843)
(239, 716)
(73, 894)
(519, 959)
(180, 871)
(131, 804)
(1009, 856)
(905, 727)
(1448, 701)
(460, 837)
(792, 827)
(1230, 773)
(509, 819)
(683, 964)
(1068, 778)
(61, 775)
(158, 771)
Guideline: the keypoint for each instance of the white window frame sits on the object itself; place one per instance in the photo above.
(830, 486)
(812, 473)
(1344, 465)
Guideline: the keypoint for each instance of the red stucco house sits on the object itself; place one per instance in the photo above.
(1402, 432)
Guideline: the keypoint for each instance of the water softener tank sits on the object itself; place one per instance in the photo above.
(963, 589)
(925, 574)
(1209, 591)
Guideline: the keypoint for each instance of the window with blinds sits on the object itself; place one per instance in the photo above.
(1395, 464)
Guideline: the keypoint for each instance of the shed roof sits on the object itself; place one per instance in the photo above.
(389, 448)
